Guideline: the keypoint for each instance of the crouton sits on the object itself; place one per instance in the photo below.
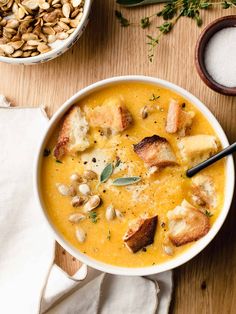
(178, 120)
(155, 151)
(203, 191)
(140, 234)
(197, 148)
(73, 134)
(186, 224)
(113, 115)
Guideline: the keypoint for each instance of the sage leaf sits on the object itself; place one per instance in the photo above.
(126, 181)
(106, 172)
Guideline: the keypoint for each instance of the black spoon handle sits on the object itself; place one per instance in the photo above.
(225, 152)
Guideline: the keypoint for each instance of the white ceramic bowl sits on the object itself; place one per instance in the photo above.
(60, 46)
(200, 244)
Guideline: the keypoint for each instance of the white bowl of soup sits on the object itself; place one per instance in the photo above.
(110, 176)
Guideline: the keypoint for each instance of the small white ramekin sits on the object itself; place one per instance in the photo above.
(62, 45)
(199, 245)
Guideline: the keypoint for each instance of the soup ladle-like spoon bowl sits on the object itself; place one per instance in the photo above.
(225, 152)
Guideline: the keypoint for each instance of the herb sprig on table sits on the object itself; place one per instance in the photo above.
(171, 12)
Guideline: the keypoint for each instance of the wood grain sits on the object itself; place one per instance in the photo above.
(207, 284)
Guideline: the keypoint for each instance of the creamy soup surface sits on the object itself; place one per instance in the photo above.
(154, 194)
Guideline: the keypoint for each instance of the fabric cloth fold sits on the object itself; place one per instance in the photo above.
(27, 246)
(29, 281)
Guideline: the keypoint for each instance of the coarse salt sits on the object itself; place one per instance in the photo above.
(220, 57)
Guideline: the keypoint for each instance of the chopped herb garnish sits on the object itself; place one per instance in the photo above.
(46, 152)
(154, 97)
(109, 235)
(106, 172)
(123, 21)
(93, 216)
(58, 161)
(126, 181)
(208, 213)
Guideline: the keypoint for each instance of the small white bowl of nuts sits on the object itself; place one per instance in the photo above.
(36, 31)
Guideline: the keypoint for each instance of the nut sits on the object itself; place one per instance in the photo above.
(168, 250)
(92, 203)
(72, 190)
(90, 175)
(7, 49)
(110, 213)
(75, 177)
(17, 44)
(29, 36)
(77, 201)
(144, 112)
(63, 189)
(17, 54)
(80, 234)
(62, 35)
(84, 189)
(76, 217)
(51, 38)
(43, 48)
(119, 214)
(66, 9)
(33, 20)
(76, 3)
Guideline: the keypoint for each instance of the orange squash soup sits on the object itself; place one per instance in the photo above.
(113, 175)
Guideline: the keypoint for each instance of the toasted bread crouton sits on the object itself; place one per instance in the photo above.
(73, 134)
(186, 224)
(178, 120)
(113, 115)
(203, 191)
(197, 148)
(155, 151)
(140, 234)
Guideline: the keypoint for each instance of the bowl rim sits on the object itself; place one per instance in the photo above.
(62, 47)
(199, 56)
(193, 250)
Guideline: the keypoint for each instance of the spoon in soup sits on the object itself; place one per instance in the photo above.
(225, 152)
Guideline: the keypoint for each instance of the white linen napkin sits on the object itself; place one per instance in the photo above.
(29, 281)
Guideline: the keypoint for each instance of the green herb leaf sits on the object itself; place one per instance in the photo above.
(106, 173)
(165, 27)
(93, 216)
(172, 11)
(208, 213)
(123, 21)
(46, 152)
(145, 22)
(154, 97)
(126, 181)
(226, 5)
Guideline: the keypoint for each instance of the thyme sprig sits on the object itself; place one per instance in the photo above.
(171, 12)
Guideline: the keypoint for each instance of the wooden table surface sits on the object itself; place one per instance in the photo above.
(207, 284)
